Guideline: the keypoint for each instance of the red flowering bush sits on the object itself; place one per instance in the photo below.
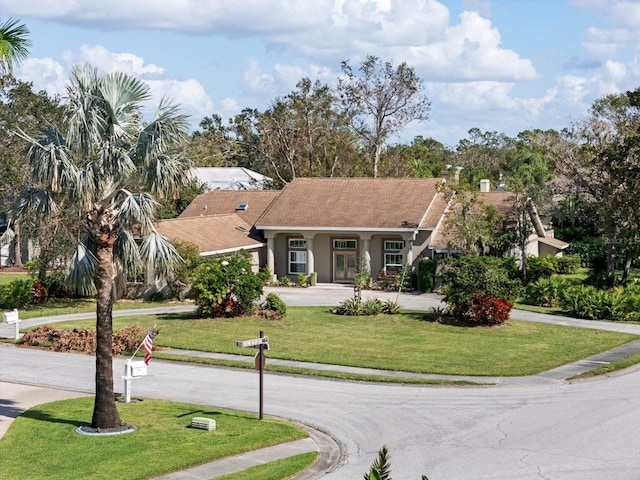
(486, 310)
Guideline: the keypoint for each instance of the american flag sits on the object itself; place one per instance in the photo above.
(147, 344)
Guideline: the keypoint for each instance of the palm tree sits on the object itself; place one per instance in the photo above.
(106, 154)
(14, 45)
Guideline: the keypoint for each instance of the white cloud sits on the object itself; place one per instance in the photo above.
(256, 80)
(108, 61)
(45, 73)
(188, 94)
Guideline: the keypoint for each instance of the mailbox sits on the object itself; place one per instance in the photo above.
(11, 317)
(138, 369)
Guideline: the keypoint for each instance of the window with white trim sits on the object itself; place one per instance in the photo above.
(297, 243)
(297, 261)
(393, 259)
(345, 244)
(297, 256)
(393, 245)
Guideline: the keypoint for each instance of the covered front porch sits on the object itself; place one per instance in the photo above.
(339, 256)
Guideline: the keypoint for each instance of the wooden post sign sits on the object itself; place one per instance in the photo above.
(262, 344)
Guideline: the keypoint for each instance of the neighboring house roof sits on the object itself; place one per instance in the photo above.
(352, 203)
(213, 234)
(231, 178)
(228, 201)
(503, 202)
(553, 242)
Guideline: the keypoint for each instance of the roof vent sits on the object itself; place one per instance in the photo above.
(241, 228)
(241, 206)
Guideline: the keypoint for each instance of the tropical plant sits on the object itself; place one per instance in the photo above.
(381, 468)
(546, 292)
(93, 167)
(14, 44)
(274, 304)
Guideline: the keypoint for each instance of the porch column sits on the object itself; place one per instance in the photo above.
(270, 254)
(366, 257)
(311, 264)
(408, 249)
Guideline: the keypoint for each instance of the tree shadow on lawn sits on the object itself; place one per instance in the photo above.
(45, 417)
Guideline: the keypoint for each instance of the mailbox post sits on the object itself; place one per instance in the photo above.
(12, 317)
(131, 371)
(262, 344)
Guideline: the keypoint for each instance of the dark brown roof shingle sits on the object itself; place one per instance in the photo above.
(213, 233)
(225, 201)
(352, 203)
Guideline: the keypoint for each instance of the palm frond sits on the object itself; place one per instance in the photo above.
(52, 165)
(136, 209)
(84, 126)
(14, 44)
(127, 254)
(81, 271)
(166, 131)
(36, 203)
(165, 174)
(7, 237)
(159, 256)
(114, 163)
(381, 468)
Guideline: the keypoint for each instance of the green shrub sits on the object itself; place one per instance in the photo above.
(16, 294)
(546, 292)
(226, 287)
(617, 304)
(372, 306)
(540, 267)
(426, 274)
(471, 275)
(285, 281)
(273, 303)
(390, 307)
(567, 264)
(356, 306)
(302, 279)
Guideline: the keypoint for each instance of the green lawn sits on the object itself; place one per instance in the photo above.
(42, 442)
(403, 342)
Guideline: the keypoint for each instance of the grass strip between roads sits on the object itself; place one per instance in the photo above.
(404, 342)
(43, 443)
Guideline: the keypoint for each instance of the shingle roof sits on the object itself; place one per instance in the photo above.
(352, 203)
(211, 234)
(227, 201)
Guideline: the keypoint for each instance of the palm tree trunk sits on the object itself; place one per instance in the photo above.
(17, 251)
(105, 413)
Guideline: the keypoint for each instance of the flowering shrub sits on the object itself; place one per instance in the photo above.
(226, 287)
(486, 310)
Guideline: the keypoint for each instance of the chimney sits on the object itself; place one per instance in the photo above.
(485, 186)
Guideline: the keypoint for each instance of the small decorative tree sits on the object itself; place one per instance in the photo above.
(226, 287)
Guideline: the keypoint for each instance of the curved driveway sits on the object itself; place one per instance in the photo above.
(586, 430)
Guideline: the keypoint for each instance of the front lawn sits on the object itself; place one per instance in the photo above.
(402, 342)
(43, 443)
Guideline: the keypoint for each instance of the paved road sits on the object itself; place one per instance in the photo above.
(556, 431)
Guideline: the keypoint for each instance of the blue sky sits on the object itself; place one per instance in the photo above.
(496, 65)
